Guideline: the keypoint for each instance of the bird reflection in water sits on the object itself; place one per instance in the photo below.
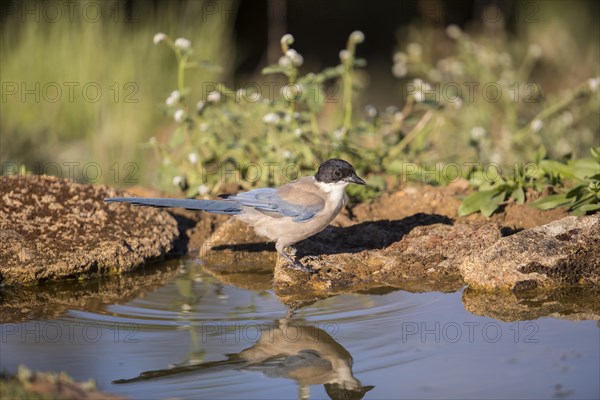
(287, 349)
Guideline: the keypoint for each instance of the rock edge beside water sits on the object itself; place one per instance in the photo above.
(52, 228)
(56, 229)
(561, 253)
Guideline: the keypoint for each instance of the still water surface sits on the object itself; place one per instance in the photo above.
(206, 339)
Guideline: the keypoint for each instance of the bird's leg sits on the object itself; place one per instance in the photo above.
(294, 263)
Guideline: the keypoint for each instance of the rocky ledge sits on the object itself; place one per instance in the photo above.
(52, 228)
(411, 240)
(418, 253)
(416, 246)
(561, 253)
(429, 252)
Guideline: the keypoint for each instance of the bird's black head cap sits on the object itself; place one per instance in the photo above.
(336, 170)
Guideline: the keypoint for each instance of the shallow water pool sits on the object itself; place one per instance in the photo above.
(192, 336)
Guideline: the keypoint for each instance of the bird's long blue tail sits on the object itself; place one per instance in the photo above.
(211, 206)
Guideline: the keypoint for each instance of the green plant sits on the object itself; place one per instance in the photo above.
(496, 191)
(553, 175)
(583, 198)
(229, 135)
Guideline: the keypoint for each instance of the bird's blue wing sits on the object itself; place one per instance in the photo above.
(267, 199)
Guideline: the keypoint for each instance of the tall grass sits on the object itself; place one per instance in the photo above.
(95, 83)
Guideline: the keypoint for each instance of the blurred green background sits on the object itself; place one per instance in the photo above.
(83, 83)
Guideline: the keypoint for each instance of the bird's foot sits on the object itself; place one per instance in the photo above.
(298, 266)
(295, 264)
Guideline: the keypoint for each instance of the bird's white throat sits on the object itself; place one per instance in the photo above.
(334, 190)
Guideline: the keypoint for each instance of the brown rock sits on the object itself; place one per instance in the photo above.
(53, 228)
(524, 216)
(236, 255)
(50, 300)
(563, 303)
(419, 253)
(414, 199)
(564, 252)
(28, 384)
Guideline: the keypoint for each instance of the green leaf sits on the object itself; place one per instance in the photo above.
(473, 202)
(540, 154)
(575, 191)
(552, 201)
(590, 198)
(518, 195)
(556, 168)
(492, 204)
(477, 178)
(595, 152)
(586, 208)
(585, 168)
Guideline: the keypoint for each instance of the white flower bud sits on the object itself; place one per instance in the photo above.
(357, 37)
(594, 83)
(203, 189)
(159, 37)
(295, 57)
(213, 97)
(182, 43)
(173, 98)
(177, 180)
(344, 55)
(287, 39)
(284, 62)
(179, 116)
(271, 119)
(193, 158)
(536, 125)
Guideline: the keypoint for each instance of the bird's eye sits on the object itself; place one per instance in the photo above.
(337, 173)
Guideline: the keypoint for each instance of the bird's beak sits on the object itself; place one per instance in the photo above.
(355, 179)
